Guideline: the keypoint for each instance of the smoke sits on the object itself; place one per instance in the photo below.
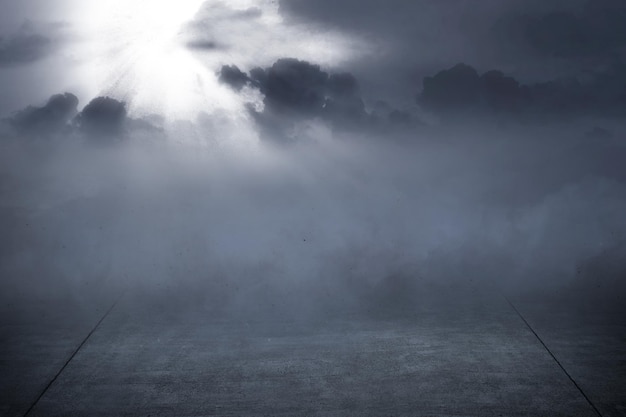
(330, 222)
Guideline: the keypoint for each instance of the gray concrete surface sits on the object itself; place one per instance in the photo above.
(37, 337)
(473, 357)
(588, 336)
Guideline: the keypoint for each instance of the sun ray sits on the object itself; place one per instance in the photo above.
(139, 51)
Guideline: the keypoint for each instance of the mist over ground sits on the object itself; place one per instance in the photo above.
(344, 156)
(334, 220)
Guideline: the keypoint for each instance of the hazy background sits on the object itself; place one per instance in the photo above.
(310, 185)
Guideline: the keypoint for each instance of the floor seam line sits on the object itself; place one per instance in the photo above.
(554, 357)
(80, 346)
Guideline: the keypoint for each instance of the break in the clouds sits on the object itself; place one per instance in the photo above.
(256, 33)
(162, 57)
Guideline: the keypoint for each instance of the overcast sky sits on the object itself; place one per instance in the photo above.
(55, 45)
(264, 141)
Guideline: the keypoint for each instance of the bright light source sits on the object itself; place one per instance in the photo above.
(138, 50)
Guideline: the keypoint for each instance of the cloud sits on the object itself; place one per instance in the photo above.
(103, 120)
(502, 93)
(360, 211)
(596, 30)
(255, 33)
(296, 87)
(30, 42)
(291, 85)
(530, 40)
(462, 91)
(336, 222)
(24, 49)
(295, 91)
(49, 119)
(344, 102)
(103, 116)
(232, 76)
(343, 85)
(202, 45)
(452, 90)
(407, 38)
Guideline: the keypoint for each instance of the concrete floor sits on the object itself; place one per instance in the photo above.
(474, 357)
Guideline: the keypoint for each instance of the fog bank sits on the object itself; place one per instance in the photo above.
(329, 222)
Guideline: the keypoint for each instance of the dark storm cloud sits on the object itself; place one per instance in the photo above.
(24, 48)
(103, 115)
(30, 42)
(531, 40)
(462, 91)
(233, 76)
(48, 119)
(291, 85)
(405, 37)
(595, 30)
(436, 30)
(428, 32)
(298, 88)
(105, 120)
(32, 64)
(295, 90)
(102, 120)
